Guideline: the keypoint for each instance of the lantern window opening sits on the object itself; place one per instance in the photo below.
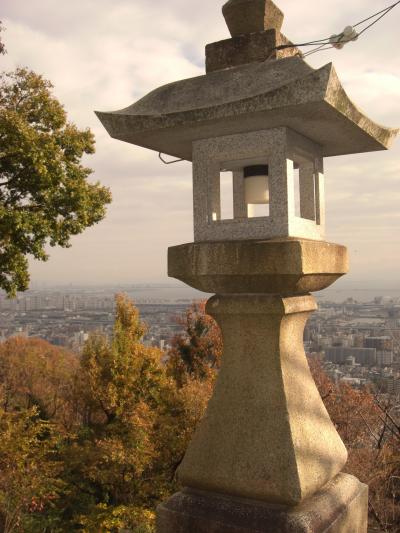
(307, 181)
(226, 194)
(296, 182)
(304, 182)
(256, 190)
(249, 187)
(264, 207)
(318, 192)
(257, 210)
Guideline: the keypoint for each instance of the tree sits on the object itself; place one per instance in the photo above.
(45, 195)
(122, 372)
(137, 428)
(93, 443)
(113, 462)
(195, 354)
(34, 373)
(112, 420)
(372, 437)
(29, 470)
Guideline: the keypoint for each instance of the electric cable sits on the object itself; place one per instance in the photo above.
(376, 14)
(341, 39)
(379, 18)
(320, 49)
(160, 156)
(349, 34)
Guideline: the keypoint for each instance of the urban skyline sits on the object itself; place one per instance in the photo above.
(357, 343)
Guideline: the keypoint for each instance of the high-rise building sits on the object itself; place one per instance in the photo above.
(383, 343)
(362, 356)
(384, 358)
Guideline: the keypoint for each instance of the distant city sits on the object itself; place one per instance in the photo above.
(355, 335)
(66, 316)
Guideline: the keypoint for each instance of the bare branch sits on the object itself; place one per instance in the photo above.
(376, 516)
(369, 428)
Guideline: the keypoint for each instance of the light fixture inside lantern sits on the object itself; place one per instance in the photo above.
(256, 187)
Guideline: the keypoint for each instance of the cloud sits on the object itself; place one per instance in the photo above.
(105, 54)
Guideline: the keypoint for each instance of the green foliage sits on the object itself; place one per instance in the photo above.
(122, 373)
(45, 195)
(114, 518)
(29, 470)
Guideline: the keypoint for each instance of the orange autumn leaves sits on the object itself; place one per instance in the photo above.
(92, 442)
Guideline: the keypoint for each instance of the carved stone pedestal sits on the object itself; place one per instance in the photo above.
(340, 507)
(266, 456)
(266, 433)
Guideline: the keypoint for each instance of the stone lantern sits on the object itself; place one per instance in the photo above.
(266, 457)
(263, 164)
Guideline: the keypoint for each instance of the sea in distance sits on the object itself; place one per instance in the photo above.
(177, 293)
(180, 293)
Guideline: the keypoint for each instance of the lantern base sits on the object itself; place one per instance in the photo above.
(340, 507)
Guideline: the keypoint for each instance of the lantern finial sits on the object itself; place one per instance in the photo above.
(250, 16)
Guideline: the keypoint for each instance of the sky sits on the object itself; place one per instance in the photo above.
(106, 54)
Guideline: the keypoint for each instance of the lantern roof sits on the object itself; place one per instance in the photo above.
(249, 86)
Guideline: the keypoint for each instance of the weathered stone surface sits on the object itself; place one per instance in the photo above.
(249, 16)
(252, 97)
(340, 507)
(248, 48)
(279, 148)
(287, 266)
(266, 434)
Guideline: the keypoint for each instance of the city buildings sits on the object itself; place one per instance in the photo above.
(357, 343)
(66, 317)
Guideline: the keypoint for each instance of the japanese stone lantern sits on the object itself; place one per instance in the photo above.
(266, 457)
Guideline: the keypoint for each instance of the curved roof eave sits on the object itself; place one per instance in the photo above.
(311, 102)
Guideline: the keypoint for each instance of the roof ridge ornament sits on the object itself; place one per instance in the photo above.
(255, 27)
(251, 16)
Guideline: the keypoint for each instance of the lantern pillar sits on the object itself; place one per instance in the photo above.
(266, 456)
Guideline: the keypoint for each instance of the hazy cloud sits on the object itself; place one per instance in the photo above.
(105, 54)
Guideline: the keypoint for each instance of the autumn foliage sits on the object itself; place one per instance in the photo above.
(197, 354)
(91, 443)
(372, 437)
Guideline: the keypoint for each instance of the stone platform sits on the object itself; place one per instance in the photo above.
(340, 507)
(276, 266)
